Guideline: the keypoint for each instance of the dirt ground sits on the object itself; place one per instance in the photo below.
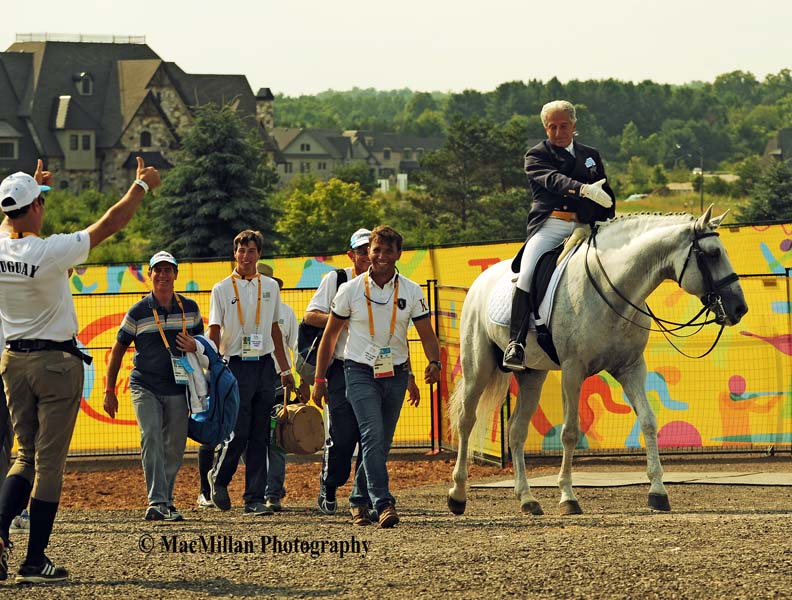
(718, 541)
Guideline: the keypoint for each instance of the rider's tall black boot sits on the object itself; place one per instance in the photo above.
(514, 357)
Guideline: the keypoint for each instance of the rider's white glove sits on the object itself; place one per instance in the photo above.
(595, 193)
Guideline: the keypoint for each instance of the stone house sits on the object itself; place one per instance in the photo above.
(89, 107)
(394, 153)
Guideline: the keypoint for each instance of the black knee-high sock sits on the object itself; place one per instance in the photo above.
(14, 498)
(42, 518)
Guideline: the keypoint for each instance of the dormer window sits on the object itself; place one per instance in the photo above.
(84, 83)
(145, 139)
(305, 147)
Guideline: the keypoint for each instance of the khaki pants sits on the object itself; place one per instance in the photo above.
(43, 390)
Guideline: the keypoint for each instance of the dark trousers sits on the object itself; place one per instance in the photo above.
(344, 432)
(252, 431)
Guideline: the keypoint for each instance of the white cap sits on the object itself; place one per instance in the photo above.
(162, 256)
(19, 190)
(360, 238)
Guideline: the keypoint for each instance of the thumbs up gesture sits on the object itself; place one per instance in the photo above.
(148, 174)
(41, 176)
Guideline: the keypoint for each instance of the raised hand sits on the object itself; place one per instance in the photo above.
(148, 174)
(41, 176)
(595, 193)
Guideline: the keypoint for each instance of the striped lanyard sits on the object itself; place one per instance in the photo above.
(239, 301)
(159, 325)
(395, 298)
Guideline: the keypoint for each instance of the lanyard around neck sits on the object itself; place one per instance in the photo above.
(395, 298)
(234, 277)
(159, 326)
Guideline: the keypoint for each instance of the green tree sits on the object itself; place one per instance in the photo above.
(319, 221)
(212, 194)
(771, 197)
(357, 172)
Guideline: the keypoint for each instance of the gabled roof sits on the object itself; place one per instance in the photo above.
(68, 114)
(332, 142)
(197, 90)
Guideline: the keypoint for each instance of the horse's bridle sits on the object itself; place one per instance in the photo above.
(711, 299)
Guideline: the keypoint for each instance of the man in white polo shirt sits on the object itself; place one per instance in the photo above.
(42, 368)
(243, 324)
(378, 307)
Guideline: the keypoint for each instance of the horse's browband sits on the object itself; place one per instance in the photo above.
(565, 216)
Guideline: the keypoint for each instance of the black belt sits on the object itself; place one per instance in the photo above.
(402, 368)
(69, 346)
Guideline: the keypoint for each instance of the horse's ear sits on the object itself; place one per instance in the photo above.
(716, 222)
(704, 220)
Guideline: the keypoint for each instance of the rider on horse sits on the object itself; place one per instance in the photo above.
(567, 183)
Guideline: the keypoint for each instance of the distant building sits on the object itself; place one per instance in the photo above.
(780, 146)
(89, 105)
(322, 151)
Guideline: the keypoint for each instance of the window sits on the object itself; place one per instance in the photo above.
(321, 166)
(386, 153)
(407, 152)
(305, 167)
(287, 168)
(8, 149)
(305, 147)
(74, 142)
(84, 84)
(86, 142)
(145, 139)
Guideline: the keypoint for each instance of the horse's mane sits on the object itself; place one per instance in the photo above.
(630, 226)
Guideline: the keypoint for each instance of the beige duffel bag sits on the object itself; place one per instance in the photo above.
(299, 429)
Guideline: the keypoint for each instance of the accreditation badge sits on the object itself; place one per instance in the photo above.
(179, 372)
(370, 354)
(383, 366)
(252, 346)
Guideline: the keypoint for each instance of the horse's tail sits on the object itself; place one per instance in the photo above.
(490, 401)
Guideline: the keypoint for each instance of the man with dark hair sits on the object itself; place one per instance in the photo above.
(42, 366)
(161, 325)
(243, 324)
(377, 307)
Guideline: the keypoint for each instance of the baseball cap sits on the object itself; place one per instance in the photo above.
(19, 190)
(360, 238)
(162, 256)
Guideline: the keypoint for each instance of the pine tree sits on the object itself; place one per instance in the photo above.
(214, 191)
(771, 197)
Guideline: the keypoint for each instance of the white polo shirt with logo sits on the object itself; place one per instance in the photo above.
(323, 299)
(223, 312)
(35, 297)
(351, 303)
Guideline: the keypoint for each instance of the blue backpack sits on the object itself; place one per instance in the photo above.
(215, 424)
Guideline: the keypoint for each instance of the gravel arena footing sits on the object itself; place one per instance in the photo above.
(719, 541)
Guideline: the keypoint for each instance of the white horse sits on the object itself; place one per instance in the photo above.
(631, 257)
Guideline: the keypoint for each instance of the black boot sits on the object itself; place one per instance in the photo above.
(514, 357)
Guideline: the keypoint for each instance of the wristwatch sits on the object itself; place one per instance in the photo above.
(438, 363)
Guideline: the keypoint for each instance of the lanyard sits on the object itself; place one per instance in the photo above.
(18, 235)
(239, 302)
(159, 326)
(370, 312)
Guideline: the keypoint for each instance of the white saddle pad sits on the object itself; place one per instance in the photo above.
(500, 301)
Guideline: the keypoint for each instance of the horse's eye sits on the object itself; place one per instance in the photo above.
(714, 253)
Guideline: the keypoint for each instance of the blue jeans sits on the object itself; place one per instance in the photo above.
(377, 404)
(163, 434)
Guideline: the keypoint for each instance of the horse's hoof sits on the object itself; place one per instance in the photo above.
(455, 506)
(659, 502)
(570, 507)
(532, 508)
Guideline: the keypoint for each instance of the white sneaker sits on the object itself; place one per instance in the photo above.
(21, 522)
(204, 502)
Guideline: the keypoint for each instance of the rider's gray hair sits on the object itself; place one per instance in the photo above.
(558, 106)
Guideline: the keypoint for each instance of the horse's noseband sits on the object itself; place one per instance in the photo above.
(711, 298)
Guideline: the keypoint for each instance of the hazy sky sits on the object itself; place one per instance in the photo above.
(307, 46)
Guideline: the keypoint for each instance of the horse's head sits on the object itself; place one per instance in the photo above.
(708, 273)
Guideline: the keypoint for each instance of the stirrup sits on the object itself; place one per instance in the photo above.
(514, 356)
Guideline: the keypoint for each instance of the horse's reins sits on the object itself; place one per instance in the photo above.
(710, 298)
